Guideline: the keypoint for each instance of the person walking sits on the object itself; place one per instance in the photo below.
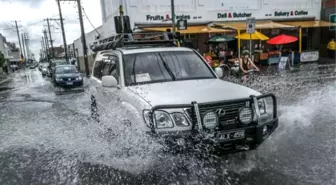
(331, 48)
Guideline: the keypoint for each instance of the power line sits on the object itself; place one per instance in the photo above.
(32, 24)
(90, 21)
(28, 25)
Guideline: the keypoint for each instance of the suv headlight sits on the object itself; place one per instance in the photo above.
(79, 78)
(58, 79)
(180, 120)
(262, 106)
(163, 119)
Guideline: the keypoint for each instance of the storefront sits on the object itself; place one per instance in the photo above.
(206, 18)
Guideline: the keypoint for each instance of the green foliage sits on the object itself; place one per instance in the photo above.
(2, 59)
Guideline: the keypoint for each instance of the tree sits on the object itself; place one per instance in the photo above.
(2, 59)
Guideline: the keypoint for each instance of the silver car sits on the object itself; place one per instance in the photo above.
(175, 95)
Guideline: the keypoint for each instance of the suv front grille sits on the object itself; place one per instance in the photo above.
(228, 120)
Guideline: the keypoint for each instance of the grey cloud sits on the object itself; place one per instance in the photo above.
(31, 3)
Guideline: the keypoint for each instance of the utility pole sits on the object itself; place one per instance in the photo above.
(51, 41)
(86, 62)
(45, 48)
(173, 15)
(74, 50)
(27, 45)
(23, 44)
(42, 46)
(18, 35)
(46, 43)
(62, 27)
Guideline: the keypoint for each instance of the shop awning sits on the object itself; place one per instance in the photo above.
(190, 29)
(309, 24)
(259, 25)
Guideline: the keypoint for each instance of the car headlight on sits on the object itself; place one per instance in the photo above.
(79, 78)
(262, 106)
(210, 120)
(180, 120)
(162, 120)
(245, 115)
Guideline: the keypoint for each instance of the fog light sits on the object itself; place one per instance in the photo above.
(265, 130)
(180, 142)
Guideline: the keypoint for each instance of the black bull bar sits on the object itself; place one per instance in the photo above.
(195, 106)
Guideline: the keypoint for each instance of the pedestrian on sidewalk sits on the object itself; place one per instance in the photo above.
(331, 48)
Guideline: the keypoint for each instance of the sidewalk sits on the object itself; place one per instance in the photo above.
(323, 66)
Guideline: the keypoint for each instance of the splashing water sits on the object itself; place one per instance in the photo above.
(63, 145)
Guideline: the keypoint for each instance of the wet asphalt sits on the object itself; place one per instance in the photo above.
(47, 137)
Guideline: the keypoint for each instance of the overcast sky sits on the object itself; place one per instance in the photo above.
(30, 14)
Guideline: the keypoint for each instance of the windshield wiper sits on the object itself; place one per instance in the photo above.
(167, 68)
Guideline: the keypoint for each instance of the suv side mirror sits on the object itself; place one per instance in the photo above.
(109, 81)
(219, 72)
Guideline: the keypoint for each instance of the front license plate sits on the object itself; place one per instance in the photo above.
(69, 83)
(231, 135)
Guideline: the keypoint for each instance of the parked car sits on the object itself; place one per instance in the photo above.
(177, 96)
(67, 76)
(54, 63)
(14, 67)
(40, 66)
(44, 69)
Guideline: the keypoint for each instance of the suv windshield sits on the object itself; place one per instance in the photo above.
(164, 66)
(66, 69)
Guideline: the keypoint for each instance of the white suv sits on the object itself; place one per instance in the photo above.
(178, 97)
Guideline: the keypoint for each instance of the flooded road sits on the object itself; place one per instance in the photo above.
(47, 137)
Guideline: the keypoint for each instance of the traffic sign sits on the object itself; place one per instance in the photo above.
(250, 25)
(332, 20)
(182, 24)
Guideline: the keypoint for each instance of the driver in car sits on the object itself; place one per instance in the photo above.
(246, 64)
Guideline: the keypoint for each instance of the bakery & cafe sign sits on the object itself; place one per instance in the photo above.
(233, 15)
(290, 13)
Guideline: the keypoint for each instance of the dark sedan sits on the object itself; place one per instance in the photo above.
(67, 76)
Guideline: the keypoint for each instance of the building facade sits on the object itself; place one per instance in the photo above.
(4, 49)
(156, 13)
(91, 37)
(8, 49)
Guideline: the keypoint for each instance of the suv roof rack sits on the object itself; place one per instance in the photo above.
(135, 40)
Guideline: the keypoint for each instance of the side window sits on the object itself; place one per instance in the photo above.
(99, 66)
(114, 70)
(111, 67)
(97, 70)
